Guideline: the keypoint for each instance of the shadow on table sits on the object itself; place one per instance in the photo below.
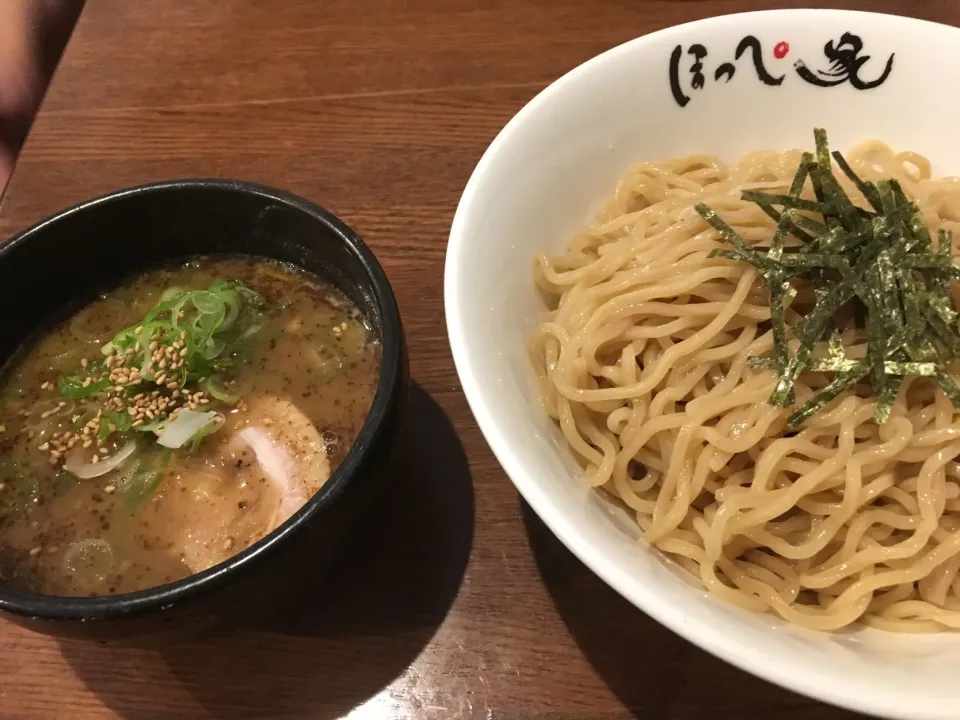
(654, 673)
(364, 623)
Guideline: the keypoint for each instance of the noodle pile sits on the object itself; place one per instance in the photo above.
(643, 361)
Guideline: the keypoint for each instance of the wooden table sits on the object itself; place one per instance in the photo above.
(456, 602)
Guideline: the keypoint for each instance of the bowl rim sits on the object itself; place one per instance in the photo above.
(816, 682)
(389, 387)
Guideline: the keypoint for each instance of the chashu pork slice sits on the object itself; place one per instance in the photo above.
(252, 477)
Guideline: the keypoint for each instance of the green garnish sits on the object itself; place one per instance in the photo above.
(111, 422)
(204, 325)
(880, 265)
(75, 387)
(144, 479)
(167, 363)
(214, 386)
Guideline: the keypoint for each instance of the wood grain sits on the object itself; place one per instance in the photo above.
(455, 602)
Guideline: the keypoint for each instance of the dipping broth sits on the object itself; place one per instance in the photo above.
(174, 422)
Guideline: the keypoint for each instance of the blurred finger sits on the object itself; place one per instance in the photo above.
(20, 81)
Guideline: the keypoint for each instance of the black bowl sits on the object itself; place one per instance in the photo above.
(96, 246)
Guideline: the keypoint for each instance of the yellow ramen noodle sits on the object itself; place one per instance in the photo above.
(643, 362)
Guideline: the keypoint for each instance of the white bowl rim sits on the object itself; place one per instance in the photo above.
(815, 682)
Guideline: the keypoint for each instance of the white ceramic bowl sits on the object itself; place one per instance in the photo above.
(539, 181)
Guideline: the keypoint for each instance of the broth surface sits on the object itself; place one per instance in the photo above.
(290, 407)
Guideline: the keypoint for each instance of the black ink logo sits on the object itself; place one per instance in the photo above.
(699, 52)
(752, 44)
(728, 69)
(695, 70)
(845, 65)
(725, 70)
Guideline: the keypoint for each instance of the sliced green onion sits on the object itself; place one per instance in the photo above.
(73, 387)
(111, 422)
(214, 387)
(146, 480)
(197, 333)
(207, 303)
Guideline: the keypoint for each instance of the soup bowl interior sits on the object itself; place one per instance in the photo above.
(766, 84)
(55, 267)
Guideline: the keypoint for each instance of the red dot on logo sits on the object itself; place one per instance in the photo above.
(780, 50)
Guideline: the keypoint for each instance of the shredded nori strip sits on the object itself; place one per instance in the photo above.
(878, 264)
